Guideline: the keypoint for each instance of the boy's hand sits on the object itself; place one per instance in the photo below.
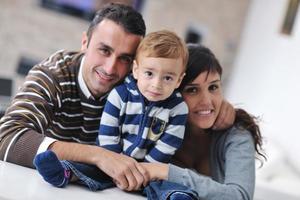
(226, 116)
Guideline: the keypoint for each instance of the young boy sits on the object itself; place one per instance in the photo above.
(143, 118)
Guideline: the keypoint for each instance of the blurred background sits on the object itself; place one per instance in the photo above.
(256, 41)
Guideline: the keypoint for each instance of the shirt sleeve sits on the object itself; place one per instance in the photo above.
(171, 139)
(109, 135)
(239, 172)
(22, 128)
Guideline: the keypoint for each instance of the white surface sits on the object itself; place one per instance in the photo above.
(265, 82)
(18, 183)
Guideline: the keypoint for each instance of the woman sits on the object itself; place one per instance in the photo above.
(216, 164)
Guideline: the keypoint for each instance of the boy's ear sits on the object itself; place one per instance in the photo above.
(135, 69)
(180, 79)
(84, 42)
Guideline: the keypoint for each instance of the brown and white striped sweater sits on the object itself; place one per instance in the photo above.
(50, 103)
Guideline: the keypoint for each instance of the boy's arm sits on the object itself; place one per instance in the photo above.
(171, 139)
(109, 135)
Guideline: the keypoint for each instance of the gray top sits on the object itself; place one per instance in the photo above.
(232, 167)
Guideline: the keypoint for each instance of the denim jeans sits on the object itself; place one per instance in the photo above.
(95, 179)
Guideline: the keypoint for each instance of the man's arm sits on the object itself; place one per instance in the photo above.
(127, 173)
(22, 128)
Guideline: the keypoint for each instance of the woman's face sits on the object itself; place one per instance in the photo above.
(204, 98)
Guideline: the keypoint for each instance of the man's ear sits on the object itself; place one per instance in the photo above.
(180, 79)
(135, 69)
(84, 42)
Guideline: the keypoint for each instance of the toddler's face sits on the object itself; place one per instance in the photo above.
(157, 78)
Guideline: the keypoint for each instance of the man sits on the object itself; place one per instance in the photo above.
(60, 103)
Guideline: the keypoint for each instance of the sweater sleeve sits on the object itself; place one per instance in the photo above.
(172, 137)
(109, 135)
(22, 128)
(239, 172)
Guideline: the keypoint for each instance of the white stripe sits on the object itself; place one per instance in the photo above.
(91, 106)
(26, 111)
(58, 100)
(165, 148)
(69, 99)
(12, 141)
(176, 130)
(32, 104)
(70, 138)
(138, 153)
(51, 57)
(42, 73)
(126, 144)
(35, 83)
(108, 140)
(109, 120)
(91, 119)
(57, 63)
(133, 108)
(74, 128)
(67, 83)
(69, 115)
(130, 128)
(150, 159)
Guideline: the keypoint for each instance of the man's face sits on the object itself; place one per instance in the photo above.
(108, 56)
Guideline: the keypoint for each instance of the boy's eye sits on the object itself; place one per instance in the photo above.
(168, 78)
(148, 73)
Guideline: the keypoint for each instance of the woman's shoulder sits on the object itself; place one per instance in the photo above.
(235, 134)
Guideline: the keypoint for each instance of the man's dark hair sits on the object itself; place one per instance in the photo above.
(124, 15)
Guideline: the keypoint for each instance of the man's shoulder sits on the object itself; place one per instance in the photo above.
(62, 63)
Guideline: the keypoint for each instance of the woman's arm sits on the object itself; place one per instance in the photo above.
(233, 181)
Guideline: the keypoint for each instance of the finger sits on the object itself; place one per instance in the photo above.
(145, 174)
(138, 177)
(131, 179)
(121, 182)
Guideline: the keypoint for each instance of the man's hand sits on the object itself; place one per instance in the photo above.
(226, 116)
(157, 171)
(126, 172)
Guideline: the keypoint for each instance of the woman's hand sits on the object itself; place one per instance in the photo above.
(156, 171)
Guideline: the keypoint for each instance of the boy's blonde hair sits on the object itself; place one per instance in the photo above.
(163, 44)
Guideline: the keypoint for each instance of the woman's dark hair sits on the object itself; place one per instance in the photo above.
(201, 59)
(124, 15)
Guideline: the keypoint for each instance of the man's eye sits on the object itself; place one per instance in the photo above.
(126, 60)
(104, 51)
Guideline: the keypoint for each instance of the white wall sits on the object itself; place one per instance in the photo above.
(266, 76)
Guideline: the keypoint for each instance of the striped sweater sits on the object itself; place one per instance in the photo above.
(150, 131)
(50, 103)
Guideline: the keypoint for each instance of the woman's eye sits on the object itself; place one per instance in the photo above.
(191, 90)
(213, 87)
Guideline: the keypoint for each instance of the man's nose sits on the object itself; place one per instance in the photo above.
(111, 65)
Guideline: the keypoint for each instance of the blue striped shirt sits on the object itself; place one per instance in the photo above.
(150, 131)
